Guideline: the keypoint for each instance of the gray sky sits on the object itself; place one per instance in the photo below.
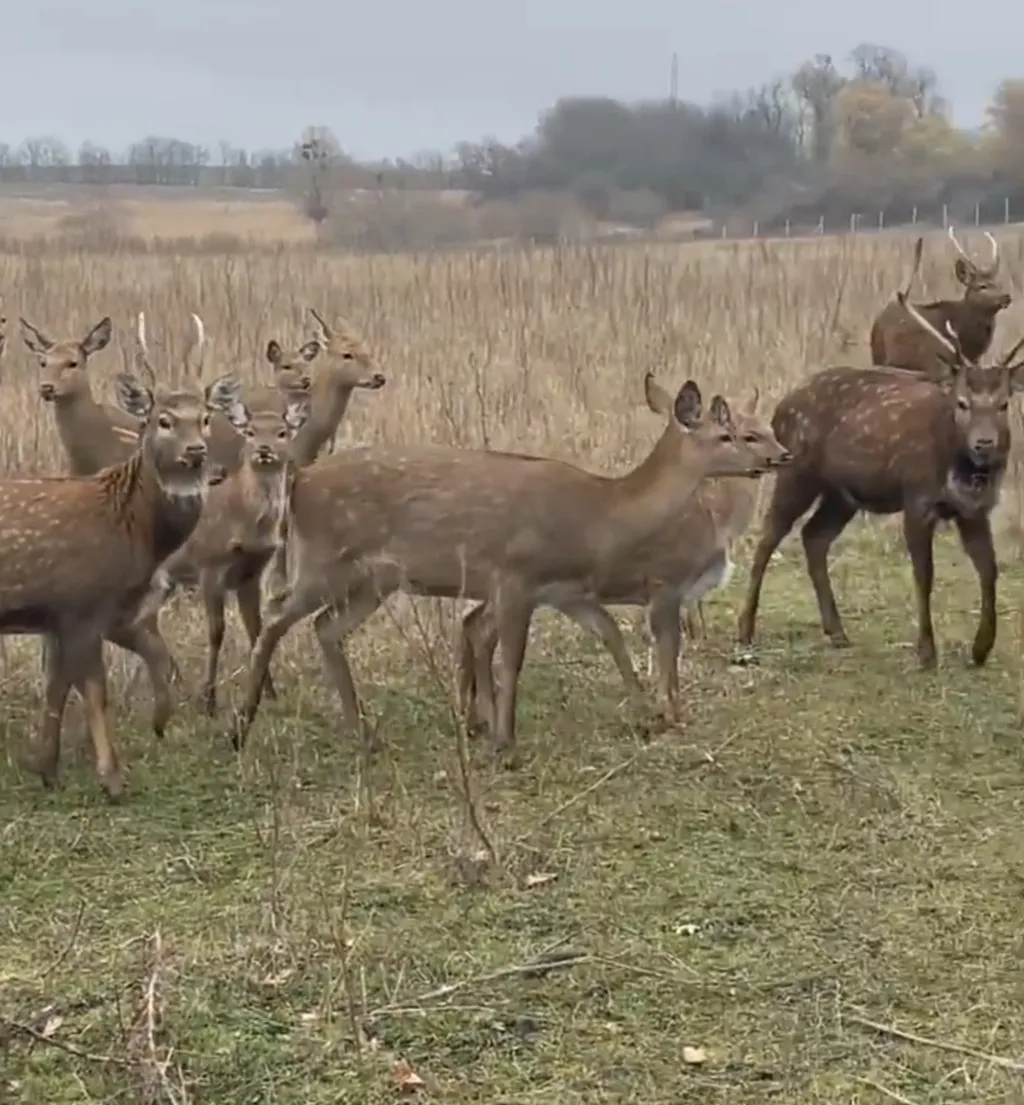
(398, 76)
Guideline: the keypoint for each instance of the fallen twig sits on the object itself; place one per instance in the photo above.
(38, 1037)
(66, 951)
(884, 1090)
(940, 1045)
(536, 966)
(705, 760)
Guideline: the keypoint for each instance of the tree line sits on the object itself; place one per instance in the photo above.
(872, 133)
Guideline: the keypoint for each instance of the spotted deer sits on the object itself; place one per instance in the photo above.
(77, 555)
(889, 442)
(345, 365)
(898, 340)
(237, 532)
(674, 569)
(452, 523)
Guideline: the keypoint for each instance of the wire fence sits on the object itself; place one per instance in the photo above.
(987, 214)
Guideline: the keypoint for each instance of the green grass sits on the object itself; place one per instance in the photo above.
(854, 849)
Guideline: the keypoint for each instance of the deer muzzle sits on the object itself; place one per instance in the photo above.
(48, 392)
(194, 455)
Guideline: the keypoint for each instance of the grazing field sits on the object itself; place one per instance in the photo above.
(808, 893)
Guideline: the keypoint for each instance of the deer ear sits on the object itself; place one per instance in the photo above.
(688, 405)
(98, 337)
(133, 395)
(720, 412)
(962, 271)
(273, 352)
(35, 339)
(224, 395)
(658, 399)
(296, 414)
(310, 351)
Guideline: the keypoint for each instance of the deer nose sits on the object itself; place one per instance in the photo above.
(984, 445)
(264, 453)
(47, 391)
(784, 457)
(378, 380)
(195, 453)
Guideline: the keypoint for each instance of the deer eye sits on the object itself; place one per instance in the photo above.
(1004, 406)
(963, 403)
(348, 356)
(206, 422)
(725, 436)
(751, 439)
(282, 435)
(248, 432)
(165, 422)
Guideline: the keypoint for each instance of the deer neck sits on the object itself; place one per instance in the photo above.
(162, 520)
(84, 431)
(263, 494)
(655, 493)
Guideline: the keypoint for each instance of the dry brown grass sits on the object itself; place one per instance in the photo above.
(852, 845)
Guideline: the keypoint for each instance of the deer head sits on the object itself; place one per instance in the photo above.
(291, 370)
(981, 285)
(980, 396)
(352, 362)
(63, 363)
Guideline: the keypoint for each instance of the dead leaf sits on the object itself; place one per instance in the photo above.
(51, 1026)
(694, 1056)
(407, 1080)
(539, 878)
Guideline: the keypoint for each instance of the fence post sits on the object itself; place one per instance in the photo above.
(725, 233)
(853, 224)
(945, 217)
(757, 227)
(1006, 211)
(977, 214)
(913, 216)
(821, 226)
(881, 220)
(787, 228)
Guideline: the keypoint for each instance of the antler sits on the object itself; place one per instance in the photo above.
(918, 249)
(142, 349)
(991, 270)
(1008, 358)
(950, 341)
(325, 331)
(197, 351)
(995, 253)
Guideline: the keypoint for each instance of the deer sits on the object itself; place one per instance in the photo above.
(77, 555)
(898, 341)
(349, 365)
(675, 568)
(444, 522)
(889, 442)
(237, 532)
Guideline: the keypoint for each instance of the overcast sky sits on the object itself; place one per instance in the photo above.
(399, 76)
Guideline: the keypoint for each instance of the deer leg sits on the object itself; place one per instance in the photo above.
(794, 493)
(247, 595)
(287, 609)
(147, 642)
(213, 603)
(833, 515)
(91, 683)
(591, 615)
(512, 611)
(976, 538)
(43, 754)
(333, 624)
(666, 633)
(478, 640)
(918, 532)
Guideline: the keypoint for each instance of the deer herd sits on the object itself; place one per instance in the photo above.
(216, 486)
